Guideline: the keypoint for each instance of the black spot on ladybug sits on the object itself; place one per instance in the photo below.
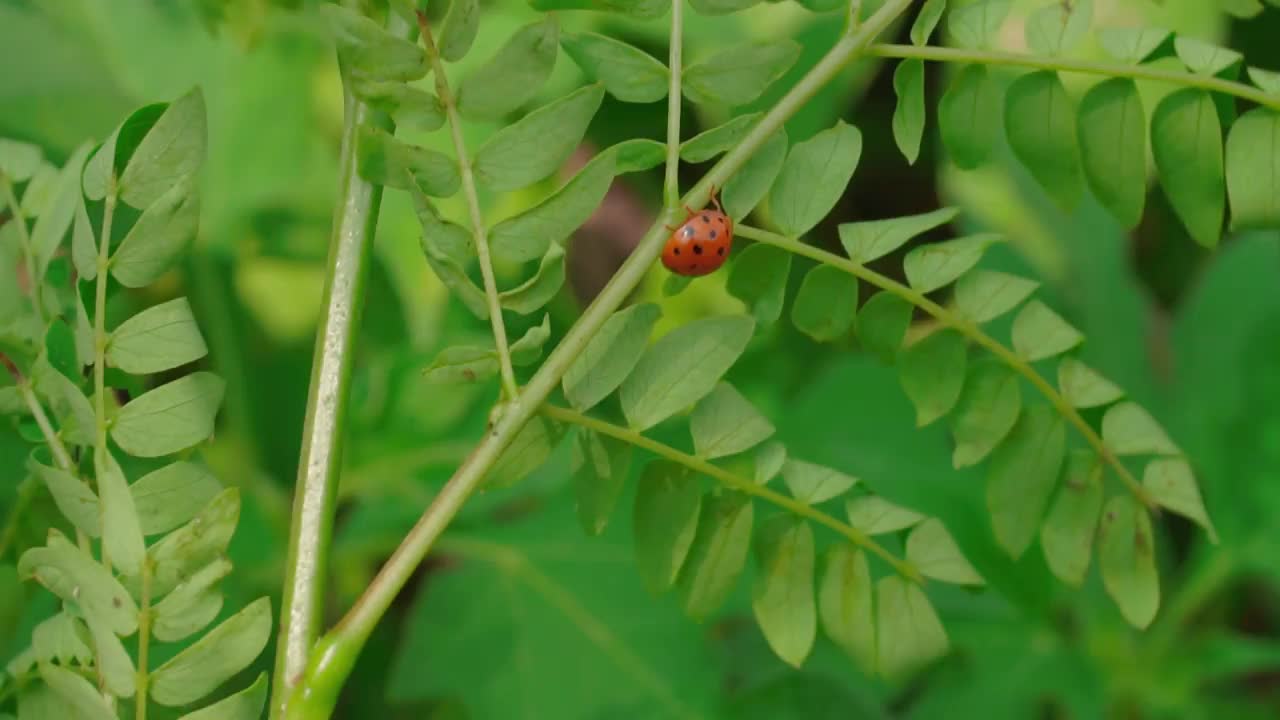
(720, 251)
(706, 218)
(697, 249)
(713, 234)
(677, 251)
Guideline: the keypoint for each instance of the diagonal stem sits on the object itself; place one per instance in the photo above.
(671, 183)
(335, 654)
(480, 234)
(735, 482)
(28, 251)
(971, 331)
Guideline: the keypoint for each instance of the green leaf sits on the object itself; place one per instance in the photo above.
(83, 331)
(909, 115)
(870, 239)
(882, 325)
(68, 402)
(725, 423)
(60, 350)
(169, 155)
(39, 191)
(927, 21)
(984, 295)
(75, 577)
(782, 593)
(844, 603)
(370, 51)
(1113, 148)
(1021, 477)
(121, 529)
(514, 75)
(192, 605)
(159, 236)
(529, 235)
(758, 277)
(84, 246)
(244, 705)
(1068, 531)
(1083, 387)
(1132, 44)
(536, 145)
(528, 349)
(609, 356)
(74, 498)
(51, 227)
(532, 294)
(813, 178)
(718, 553)
(874, 515)
(936, 265)
(706, 145)
(1204, 58)
(665, 521)
(721, 7)
(1040, 333)
(628, 73)
(1266, 80)
(769, 460)
(114, 666)
(638, 155)
(384, 160)
(1172, 485)
(1186, 140)
(448, 247)
(986, 412)
(528, 450)
(812, 484)
(748, 186)
(601, 465)
(932, 372)
(968, 118)
(682, 367)
(1040, 121)
(639, 9)
(1253, 169)
(182, 552)
(1126, 556)
(935, 554)
(156, 339)
(215, 658)
(1128, 429)
(975, 24)
(738, 74)
(408, 106)
(172, 495)
(1058, 27)
(60, 638)
(825, 305)
(80, 696)
(19, 160)
(170, 418)
(909, 634)
(458, 29)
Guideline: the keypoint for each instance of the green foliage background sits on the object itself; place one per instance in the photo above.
(518, 613)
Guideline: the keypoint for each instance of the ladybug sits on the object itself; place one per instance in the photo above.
(701, 244)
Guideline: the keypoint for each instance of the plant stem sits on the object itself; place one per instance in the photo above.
(144, 642)
(336, 652)
(28, 253)
(100, 342)
(479, 232)
(355, 219)
(735, 482)
(671, 183)
(56, 448)
(968, 329)
(1075, 65)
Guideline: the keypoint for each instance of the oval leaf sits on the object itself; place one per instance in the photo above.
(725, 423)
(213, 659)
(169, 154)
(844, 602)
(1253, 169)
(1186, 140)
(528, 235)
(874, 515)
(986, 412)
(514, 75)
(244, 705)
(156, 339)
(1126, 556)
(1021, 477)
(664, 522)
(825, 305)
(984, 295)
(932, 372)
(609, 356)
(1172, 485)
(1084, 387)
(75, 577)
(172, 495)
(908, 114)
(748, 186)
(813, 178)
(170, 418)
(909, 634)
(935, 554)
(936, 265)
(121, 529)
(628, 73)
(782, 594)
(536, 145)
(1040, 333)
(1128, 429)
(865, 241)
(601, 465)
(739, 74)
(718, 554)
(1068, 531)
(159, 236)
(758, 277)
(812, 484)
(1113, 148)
(968, 118)
(1040, 122)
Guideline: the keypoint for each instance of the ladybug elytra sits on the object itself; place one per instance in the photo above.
(701, 244)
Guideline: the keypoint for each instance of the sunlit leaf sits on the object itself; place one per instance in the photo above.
(1132, 44)
(529, 235)
(1186, 140)
(172, 495)
(908, 114)
(740, 73)
(936, 265)
(710, 143)
(1040, 333)
(725, 423)
(874, 515)
(1204, 58)
(1253, 169)
(514, 75)
(158, 338)
(121, 529)
(628, 73)
(215, 658)
(1040, 121)
(75, 577)
(168, 155)
(748, 186)
(244, 705)
(987, 409)
(114, 665)
(170, 418)
(1056, 28)
(192, 605)
(609, 356)
(927, 21)
(458, 29)
(601, 465)
(782, 594)
(908, 631)
(1266, 80)
(1022, 474)
(935, 554)
(812, 484)
(983, 295)
(758, 277)
(156, 240)
(61, 638)
(814, 177)
(1069, 529)
(1128, 429)
(844, 602)
(537, 144)
(1083, 387)
(718, 554)
(193, 546)
(825, 306)
(1113, 148)
(975, 24)
(1126, 556)
(665, 520)
(1172, 485)
(80, 696)
(932, 372)
(75, 499)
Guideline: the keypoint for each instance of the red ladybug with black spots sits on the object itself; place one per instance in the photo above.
(701, 244)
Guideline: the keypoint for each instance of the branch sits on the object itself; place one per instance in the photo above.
(28, 252)
(968, 329)
(336, 653)
(671, 183)
(735, 482)
(1073, 65)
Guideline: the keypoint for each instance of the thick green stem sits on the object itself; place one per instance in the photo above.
(336, 653)
(355, 219)
(1075, 65)
(734, 482)
(100, 341)
(671, 183)
(971, 331)
(28, 252)
(479, 233)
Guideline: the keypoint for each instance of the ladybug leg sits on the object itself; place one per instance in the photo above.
(716, 199)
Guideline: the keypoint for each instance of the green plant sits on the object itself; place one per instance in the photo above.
(1071, 463)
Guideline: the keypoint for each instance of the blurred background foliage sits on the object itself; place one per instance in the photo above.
(517, 613)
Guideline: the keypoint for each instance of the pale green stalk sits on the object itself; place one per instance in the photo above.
(24, 237)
